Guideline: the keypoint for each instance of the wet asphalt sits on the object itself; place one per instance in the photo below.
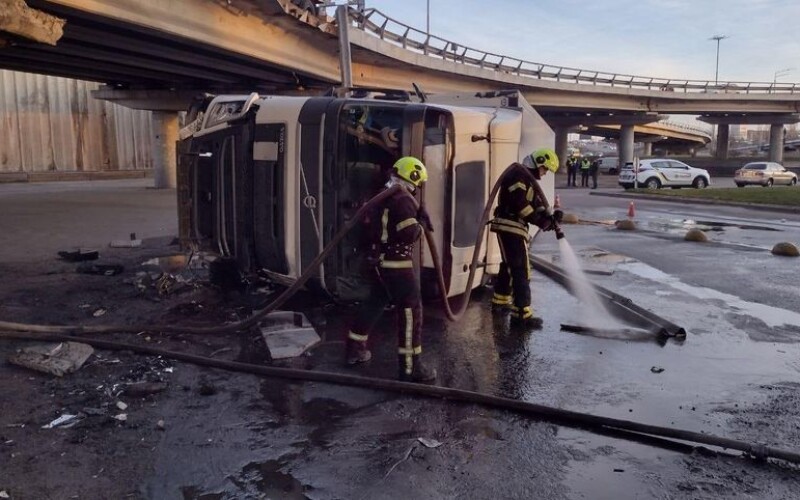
(735, 375)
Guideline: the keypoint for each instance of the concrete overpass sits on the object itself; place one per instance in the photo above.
(157, 54)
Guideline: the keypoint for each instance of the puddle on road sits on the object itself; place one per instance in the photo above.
(680, 226)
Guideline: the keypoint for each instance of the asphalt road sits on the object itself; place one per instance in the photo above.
(233, 436)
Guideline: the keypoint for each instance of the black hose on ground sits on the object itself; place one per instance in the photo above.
(547, 413)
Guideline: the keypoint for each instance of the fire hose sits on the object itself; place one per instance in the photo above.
(67, 333)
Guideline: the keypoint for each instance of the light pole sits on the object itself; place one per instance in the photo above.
(428, 23)
(718, 38)
(781, 72)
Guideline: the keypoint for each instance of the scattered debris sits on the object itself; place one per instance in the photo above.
(99, 312)
(429, 443)
(408, 454)
(79, 255)
(55, 359)
(160, 425)
(207, 389)
(122, 406)
(696, 235)
(122, 417)
(625, 225)
(101, 269)
(66, 421)
(288, 334)
(141, 389)
(786, 249)
(657, 369)
(4, 494)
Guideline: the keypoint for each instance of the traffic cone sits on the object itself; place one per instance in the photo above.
(631, 211)
(557, 202)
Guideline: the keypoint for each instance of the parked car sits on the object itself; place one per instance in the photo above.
(608, 165)
(764, 173)
(656, 173)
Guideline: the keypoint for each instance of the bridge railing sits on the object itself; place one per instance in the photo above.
(376, 23)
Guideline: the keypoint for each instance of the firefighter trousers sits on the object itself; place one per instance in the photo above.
(512, 283)
(401, 288)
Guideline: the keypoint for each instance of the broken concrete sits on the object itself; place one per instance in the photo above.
(55, 359)
(20, 20)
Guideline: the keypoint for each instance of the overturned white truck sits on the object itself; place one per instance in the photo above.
(268, 180)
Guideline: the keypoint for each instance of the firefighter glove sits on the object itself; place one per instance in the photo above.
(558, 215)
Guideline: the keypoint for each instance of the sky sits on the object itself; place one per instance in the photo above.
(656, 38)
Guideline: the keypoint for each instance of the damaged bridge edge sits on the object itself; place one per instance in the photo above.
(19, 20)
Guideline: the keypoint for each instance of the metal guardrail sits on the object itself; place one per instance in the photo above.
(376, 23)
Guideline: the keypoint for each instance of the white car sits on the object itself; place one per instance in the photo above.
(656, 173)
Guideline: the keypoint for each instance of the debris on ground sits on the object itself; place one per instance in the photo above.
(99, 312)
(625, 225)
(160, 425)
(288, 334)
(696, 235)
(55, 359)
(4, 494)
(657, 369)
(101, 269)
(122, 406)
(122, 417)
(79, 255)
(786, 249)
(141, 389)
(429, 443)
(66, 421)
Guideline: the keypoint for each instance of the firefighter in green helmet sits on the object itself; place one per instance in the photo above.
(521, 203)
(396, 227)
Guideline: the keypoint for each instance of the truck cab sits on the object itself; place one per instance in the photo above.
(267, 181)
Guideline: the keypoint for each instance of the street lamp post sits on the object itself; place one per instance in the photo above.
(718, 38)
(428, 19)
(781, 72)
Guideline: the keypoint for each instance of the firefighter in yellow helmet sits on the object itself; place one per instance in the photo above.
(520, 203)
(396, 228)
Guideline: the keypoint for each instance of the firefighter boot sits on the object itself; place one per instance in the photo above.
(357, 352)
(412, 369)
(523, 319)
(501, 303)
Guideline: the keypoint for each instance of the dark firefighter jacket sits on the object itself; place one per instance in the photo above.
(393, 230)
(519, 204)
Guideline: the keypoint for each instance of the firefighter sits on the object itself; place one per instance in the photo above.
(520, 204)
(398, 225)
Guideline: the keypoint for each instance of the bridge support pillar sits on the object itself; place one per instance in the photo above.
(648, 149)
(723, 138)
(562, 146)
(165, 137)
(776, 142)
(625, 147)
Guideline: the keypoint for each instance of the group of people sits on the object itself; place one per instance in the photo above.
(397, 226)
(588, 168)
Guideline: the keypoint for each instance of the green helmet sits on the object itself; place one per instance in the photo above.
(411, 169)
(545, 157)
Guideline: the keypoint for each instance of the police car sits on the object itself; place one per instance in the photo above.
(656, 173)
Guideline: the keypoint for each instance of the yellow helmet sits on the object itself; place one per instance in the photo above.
(411, 169)
(545, 157)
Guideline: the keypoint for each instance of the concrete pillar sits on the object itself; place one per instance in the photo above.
(165, 161)
(648, 149)
(625, 146)
(562, 146)
(776, 142)
(723, 138)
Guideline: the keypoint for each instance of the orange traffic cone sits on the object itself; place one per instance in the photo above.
(557, 202)
(631, 211)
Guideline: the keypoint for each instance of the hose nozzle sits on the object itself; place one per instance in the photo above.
(559, 232)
